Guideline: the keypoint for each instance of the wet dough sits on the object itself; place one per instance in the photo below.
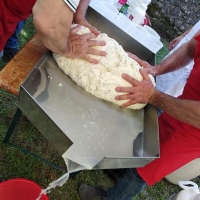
(102, 79)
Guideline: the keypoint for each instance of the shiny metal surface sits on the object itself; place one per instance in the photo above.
(128, 43)
(68, 116)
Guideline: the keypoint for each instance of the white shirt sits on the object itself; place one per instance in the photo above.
(73, 4)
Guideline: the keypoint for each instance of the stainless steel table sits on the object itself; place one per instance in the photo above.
(68, 116)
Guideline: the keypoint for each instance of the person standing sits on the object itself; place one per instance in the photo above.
(11, 47)
(179, 124)
(53, 20)
(173, 83)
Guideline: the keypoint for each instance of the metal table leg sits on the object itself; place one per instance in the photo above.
(12, 125)
(9, 134)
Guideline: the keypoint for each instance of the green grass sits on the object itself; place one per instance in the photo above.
(15, 164)
(162, 52)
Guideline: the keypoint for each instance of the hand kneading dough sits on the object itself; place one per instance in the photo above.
(102, 79)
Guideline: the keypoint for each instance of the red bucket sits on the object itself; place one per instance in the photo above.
(20, 189)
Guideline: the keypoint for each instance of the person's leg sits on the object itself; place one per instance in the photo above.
(13, 40)
(179, 142)
(127, 187)
(115, 174)
(1, 54)
(11, 47)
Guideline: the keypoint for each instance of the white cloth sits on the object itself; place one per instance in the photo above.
(73, 4)
(173, 83)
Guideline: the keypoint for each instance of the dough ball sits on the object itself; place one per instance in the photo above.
(101, 79)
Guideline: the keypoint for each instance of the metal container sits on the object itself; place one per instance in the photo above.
(65, 114)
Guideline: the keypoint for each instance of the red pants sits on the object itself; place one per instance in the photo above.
(179, 142)
(12, 12)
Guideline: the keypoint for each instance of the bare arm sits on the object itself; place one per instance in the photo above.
(82, 7)
(79, 17)
(178, 59)
(184, 110)
(53, 20)
(176, 40)
(143, 91)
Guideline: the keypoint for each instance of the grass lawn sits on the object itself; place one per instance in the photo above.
(16, 164)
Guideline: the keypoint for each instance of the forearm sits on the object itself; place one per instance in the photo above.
(180, 58)
(53, 22)
(82, 7)
(55, 40)
(184, 110)
(79, 17)
(186, 32)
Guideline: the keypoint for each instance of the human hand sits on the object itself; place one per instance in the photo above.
(174, 42)
(140, 92)
(149, 68)
(83, 22)
(79, 46)
(148, 20)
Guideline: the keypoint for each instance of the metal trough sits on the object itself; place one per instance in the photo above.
(61, 110)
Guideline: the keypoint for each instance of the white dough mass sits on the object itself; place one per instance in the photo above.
(101, 79)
